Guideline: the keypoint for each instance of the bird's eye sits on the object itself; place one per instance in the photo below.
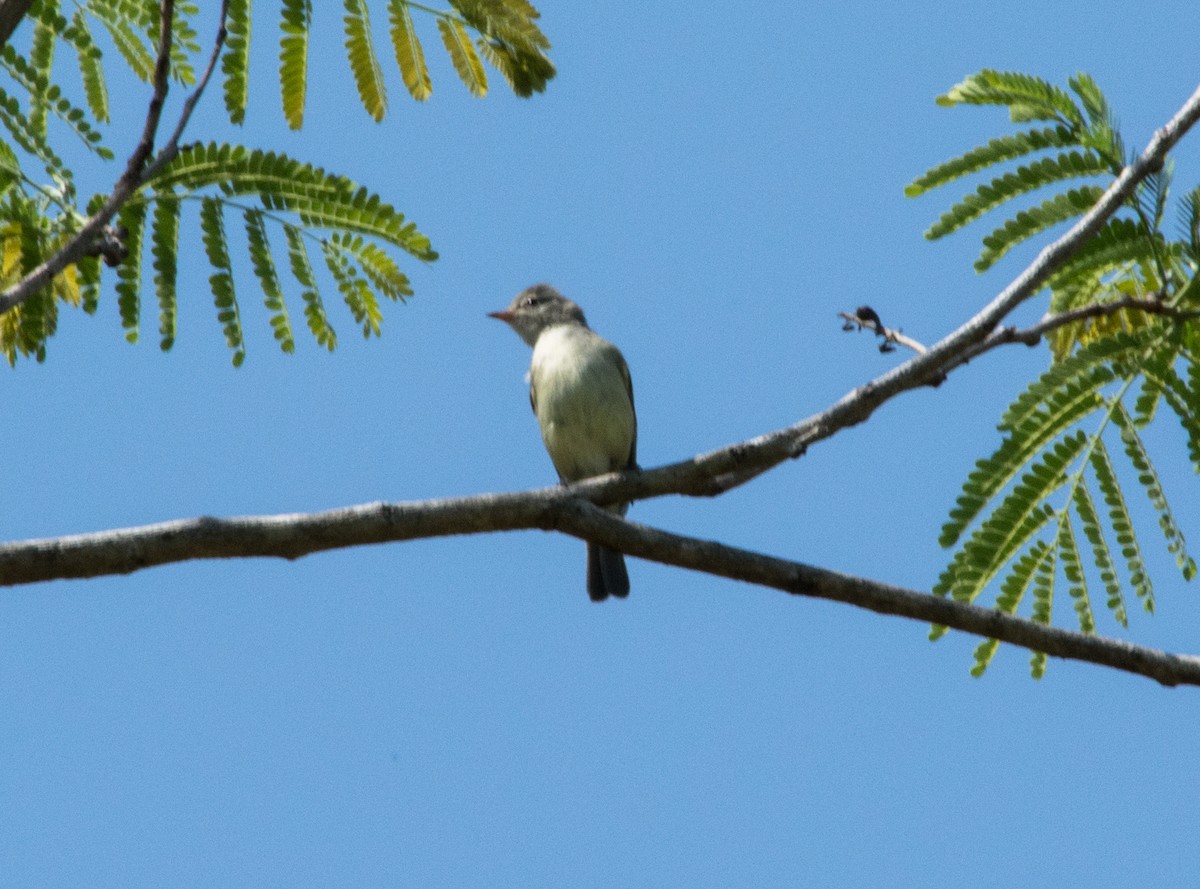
(530, 301)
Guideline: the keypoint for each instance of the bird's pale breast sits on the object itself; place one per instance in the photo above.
(582, 402)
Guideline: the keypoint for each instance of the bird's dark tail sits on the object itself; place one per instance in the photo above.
(606, 574)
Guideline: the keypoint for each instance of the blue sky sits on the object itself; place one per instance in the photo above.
(713, 186)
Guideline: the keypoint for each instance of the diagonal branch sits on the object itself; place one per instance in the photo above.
(552, 509)
(137, 170)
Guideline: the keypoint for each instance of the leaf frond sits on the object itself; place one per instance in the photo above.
(164, 248)
(463, 56)
(996, 151)
(1025, 179)
(293, 59)
(235, 60)
(1026, 97)
(212, 227)
(410, 56)
(360, 52)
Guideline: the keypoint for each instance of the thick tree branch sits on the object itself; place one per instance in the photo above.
(552, 509)
(137, 171)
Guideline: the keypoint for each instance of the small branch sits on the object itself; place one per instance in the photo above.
(1033, 334)
(866, 317)
(137, 172)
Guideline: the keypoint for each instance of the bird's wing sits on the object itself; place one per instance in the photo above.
(625, 375)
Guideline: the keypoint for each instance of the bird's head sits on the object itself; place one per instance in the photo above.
(539, 308)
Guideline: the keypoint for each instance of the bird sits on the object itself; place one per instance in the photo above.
(582, 395)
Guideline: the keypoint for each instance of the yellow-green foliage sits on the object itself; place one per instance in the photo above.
(1015, 523)
(359, 234)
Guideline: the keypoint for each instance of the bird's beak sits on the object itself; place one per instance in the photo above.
(506, 316)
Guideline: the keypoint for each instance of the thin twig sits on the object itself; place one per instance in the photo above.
(1033, 334)
(865, 318)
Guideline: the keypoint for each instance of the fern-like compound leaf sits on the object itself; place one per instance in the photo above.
(235, 60)
(129, 273)
(1012, 592)
(293, 59)
(1026, 97)
(264, 269)
(212, 228)
(360, 51)
(91, 70)
(27, 138)
(164, 248)
(355, 291)
(40, 63)
(1068, 555)
(1121, 524)
(1043, 605)
(379, 268)
(1089, 520)
(462, 54)
(1135, 450)
(1034, 221)
(996, 151)
(1016, 520)
(50, 98)
(1062, 406)
(314, 307)
(410, 56)
(1067, 165)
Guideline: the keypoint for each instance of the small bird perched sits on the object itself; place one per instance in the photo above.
(582, 395)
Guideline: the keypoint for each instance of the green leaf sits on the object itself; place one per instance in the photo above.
(27, 138)
(235, 60)
(1089, 519)
(363, 62)
(355, 291)
(49, 98)
(91, 71)
(1067, 165)
(1043, 603)
(1146, 475)
(996, 151)
(1012, 592)
(293, 59)
(129, 273)
(1034, 221)
(409, 54)
(212, 226)
(1015, 521)
(1027, 97)
(314, 307)
(1118, 242)
(462, 54)
(1189, 223)
(264, 270)
(380, 269)
(511, 41)
(41, 61)
(128, 43)
(164, 247)
(1068, 554)
(1061, 401)
(1121, 524)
